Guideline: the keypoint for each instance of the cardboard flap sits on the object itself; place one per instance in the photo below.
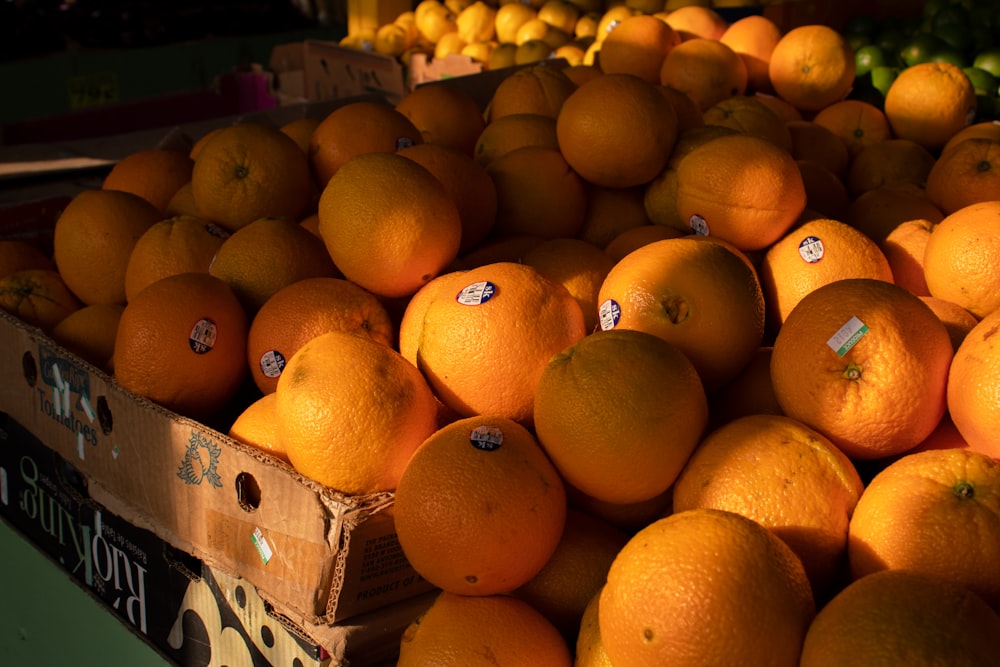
(335, 72)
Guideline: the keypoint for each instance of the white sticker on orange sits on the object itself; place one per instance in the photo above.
(203, 336)
(847, 336)
(608, 314)
(811, 249)
(487, 438)
(477, 293)
(698, 225)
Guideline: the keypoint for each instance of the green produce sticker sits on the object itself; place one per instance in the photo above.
(847, 336)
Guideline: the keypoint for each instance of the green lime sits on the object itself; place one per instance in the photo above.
(956, 37)
(988, 60)
(983, 81)
(951, 15)
(949, 55)
(932, 7)
(883, 76)
(920, 48)
(867, 57)
(858, 41)
(890, 40)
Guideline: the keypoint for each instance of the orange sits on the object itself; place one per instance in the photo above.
(433, 19)
(300, 130)
(967, 173)
(38, 297)
(560, 14)
(637, 46)
(181, 343)
(783, 475)
(818, 143)
(582, 73)
(93, 239)
(826, 194)
(537, 193)
(705, 69)
(636, 237)
(688, 113)
(90, 332)
(17, 255)
(945, 436)
(933, 512)
(178, 244)
(249, 171)
(514, 131)
(503, 321)
(445, 115)
(696, 21)
(500, 249)
(865, 363)
(462, 631)
(749, 393)
(353, 430)
(779, 106)
(630, 517)
(747, 114)
(812, 66)
(962, 258)
(589, 650)
(155, 174)
(580, 266)
(182, 203)
(304, 309)
(972, 386)
(355, 128)
(267, 254)
(510, 17)
(256, 426)
(895, 616)
(681, 289)
(613, 455)
(388, 223)
(753, 38)
(479, 509)
(201, 141)
(814, 254)
(929, 102)
(889, 161)
(986, 129)
(611, 211)
(957, 320)
(857, 122)
(705, 564)
(311, 223)
(741, 189)
(539, 89)
(879, 211)
(617, 130)
(575, 572)
(904, 248)
(469, 184)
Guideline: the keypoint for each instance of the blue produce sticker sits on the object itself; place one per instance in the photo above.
(477, 293)
(486, 438)
(272, 363)
(609, 313)
(811, 249)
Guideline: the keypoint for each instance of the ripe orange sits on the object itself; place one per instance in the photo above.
(753, 38)
(637, 46)
(93, 239)
(857, 122)
(468, 183)
(879, 619)
(257, 426)
(89, 332)
(681, 289)
(962, 257)
(181, 342)
(300, 130)
(353, 430)
(741, 189)
(503, 321)
(355, 128)
(812, 66)
(933, 512)
(38, 297)
(155, 174)
(249, 171)
(956, 320)
(818, 143)
(479, 509)
(589, 649)
(705, 564)
(889, 161)
(539, 89)
(182, 203)
(826, 194)
(580, 266)
(705, 69)
(610, 19)
(445, 115)
(630, 517)
(614, 455)
(178, 244)
(929, 102)
(779, 106)
(499, 249)
(537, 193)
(748, 115)
(636, 237)
(267, 254)
(749, 393)
(17, 255)
(784, 475)
(575, 572)
(388, 223)
(814, 254)
(972, 383)
(697, 21)
(987, 129)
(967, 173)
(617, 130)
(610, 211)
(688, 113)
(904, 249)
(879, 211)
(865, 363)
(464, 631)
(514, 131)
(304, 309)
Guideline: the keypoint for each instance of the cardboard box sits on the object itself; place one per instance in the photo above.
(189, 611)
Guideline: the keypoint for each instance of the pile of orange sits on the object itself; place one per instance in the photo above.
(631, 348)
